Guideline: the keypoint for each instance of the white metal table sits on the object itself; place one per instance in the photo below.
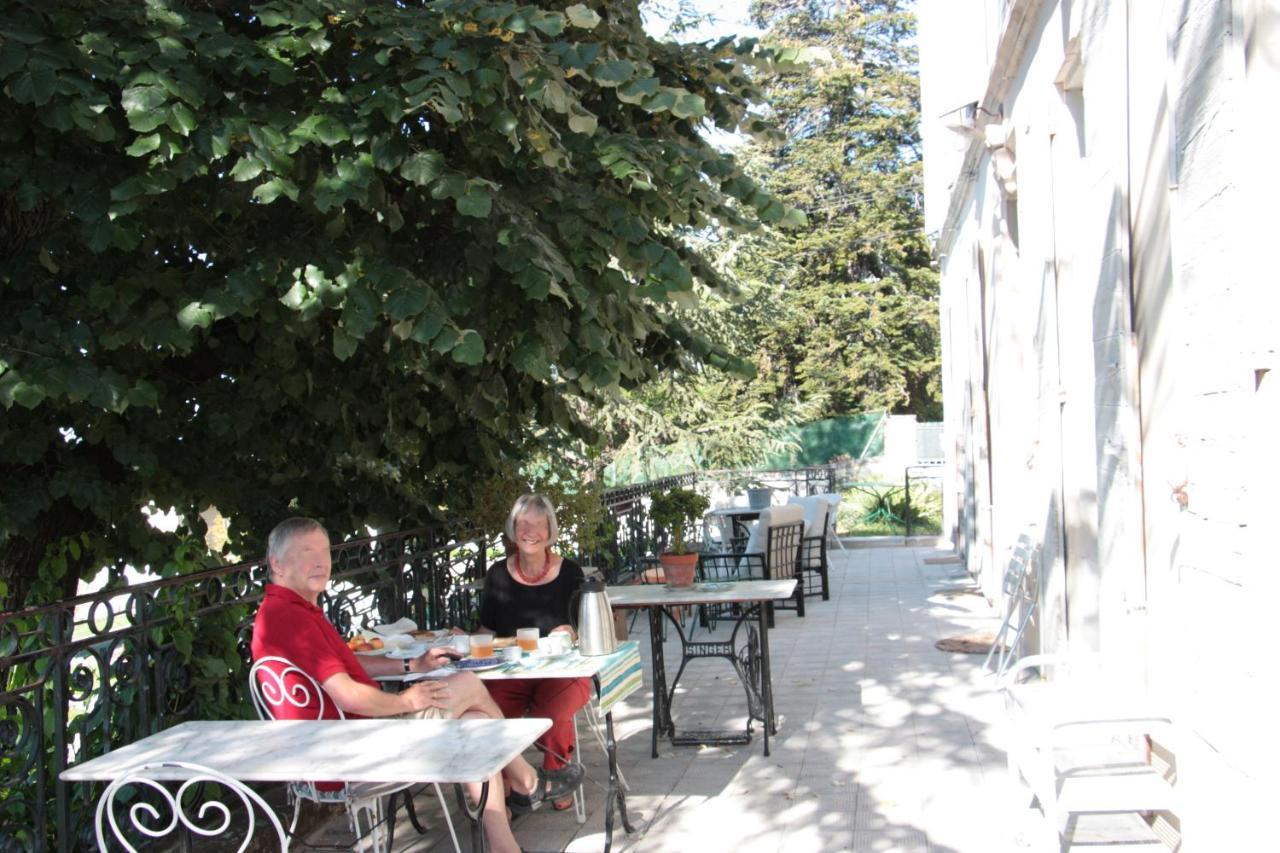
(751, 663)
(373, 750)
(614, 677)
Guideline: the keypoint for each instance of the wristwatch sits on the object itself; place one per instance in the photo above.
(406, 666)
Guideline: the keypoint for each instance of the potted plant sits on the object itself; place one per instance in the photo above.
(673, 511)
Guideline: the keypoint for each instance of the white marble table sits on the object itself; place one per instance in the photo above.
(752, 665)
(375, 750)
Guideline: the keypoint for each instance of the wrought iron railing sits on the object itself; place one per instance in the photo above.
(92, 673)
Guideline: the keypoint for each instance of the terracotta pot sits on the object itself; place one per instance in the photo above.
(679, 568)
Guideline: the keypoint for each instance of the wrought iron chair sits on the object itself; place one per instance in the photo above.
(280, 690)
(211, 818)
(814, 568)
(772, 550)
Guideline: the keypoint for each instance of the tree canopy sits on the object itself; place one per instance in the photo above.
(860, 319)
(292, 257)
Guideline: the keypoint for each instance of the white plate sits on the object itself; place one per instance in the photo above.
(374, 653)
(407, 651)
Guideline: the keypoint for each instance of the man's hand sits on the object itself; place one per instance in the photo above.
(433, 659)
(572, 633)
(426, 694)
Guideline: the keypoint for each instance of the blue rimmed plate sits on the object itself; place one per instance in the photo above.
(478, 664)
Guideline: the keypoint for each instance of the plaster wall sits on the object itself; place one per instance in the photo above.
(1109, 351)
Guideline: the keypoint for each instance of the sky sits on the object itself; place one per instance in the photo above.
(730, 18)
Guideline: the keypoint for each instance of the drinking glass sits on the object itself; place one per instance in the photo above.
(482, 645)
(527, 638)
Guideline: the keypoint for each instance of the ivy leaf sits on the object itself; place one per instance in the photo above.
(551, 23)
(581, 121)
(195, 315)
(248, 168)
(475, 203)
(614, 72)
(143, 145)
(423, 167)
(344, 345)
(35, 86)
(274, 188)
(637, 90)
(469, 349)
(13, 56)
(581, 16)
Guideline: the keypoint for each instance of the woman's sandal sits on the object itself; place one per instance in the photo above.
(552, 785)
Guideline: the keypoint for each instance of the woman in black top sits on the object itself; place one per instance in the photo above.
(532, 587)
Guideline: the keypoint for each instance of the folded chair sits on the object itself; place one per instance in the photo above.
(154, 812)
(282, 691)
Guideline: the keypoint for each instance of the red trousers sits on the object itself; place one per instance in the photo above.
(556, 698)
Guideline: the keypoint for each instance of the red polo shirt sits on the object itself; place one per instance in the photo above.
(289, 627)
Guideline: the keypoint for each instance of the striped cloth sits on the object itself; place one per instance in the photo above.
(620, 676)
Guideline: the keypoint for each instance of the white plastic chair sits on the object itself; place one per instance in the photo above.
(271, 694)
(212, 817)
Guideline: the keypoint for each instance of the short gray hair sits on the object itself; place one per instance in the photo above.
(286, 531)
(538, 505)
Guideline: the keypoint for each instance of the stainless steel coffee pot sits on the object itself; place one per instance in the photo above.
(596, 634)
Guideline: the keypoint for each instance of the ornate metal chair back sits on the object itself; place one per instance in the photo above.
(154, 812)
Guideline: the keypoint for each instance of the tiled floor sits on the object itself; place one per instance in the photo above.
(885, 742)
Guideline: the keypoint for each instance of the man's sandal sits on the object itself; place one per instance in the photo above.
(552, 785)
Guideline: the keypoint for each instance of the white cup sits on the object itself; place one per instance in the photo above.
(511, 653)
(563, 641)
(461, 644)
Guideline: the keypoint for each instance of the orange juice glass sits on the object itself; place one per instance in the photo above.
(482, 645)
(527, 638)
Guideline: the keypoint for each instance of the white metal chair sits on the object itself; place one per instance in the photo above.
(280, 690)
(1020, 602)
(833, 505)
(211, 818)
(1078, 736)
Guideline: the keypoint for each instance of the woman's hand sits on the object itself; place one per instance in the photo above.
(572, 633)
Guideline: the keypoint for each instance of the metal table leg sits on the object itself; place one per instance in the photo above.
(478, 842)
(751, 667)
(616, 794)
(661, 713)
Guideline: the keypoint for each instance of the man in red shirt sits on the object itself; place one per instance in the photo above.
(289, 624)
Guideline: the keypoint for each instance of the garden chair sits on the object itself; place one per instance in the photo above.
(772, 550)
(154, 812)
(280, 690)
(814, 568)
(1081, 739)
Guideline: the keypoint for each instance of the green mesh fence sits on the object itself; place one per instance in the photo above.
(822, 441)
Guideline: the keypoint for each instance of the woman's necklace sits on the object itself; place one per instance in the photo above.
(532, 579)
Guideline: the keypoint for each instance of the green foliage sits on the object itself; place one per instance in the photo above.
(858, 320)
(585, 524)
(674, 510)
(288, 257)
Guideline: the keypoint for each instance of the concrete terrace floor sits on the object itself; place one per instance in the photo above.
(885, 743)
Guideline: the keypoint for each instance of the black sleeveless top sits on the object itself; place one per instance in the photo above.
(507, 605)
